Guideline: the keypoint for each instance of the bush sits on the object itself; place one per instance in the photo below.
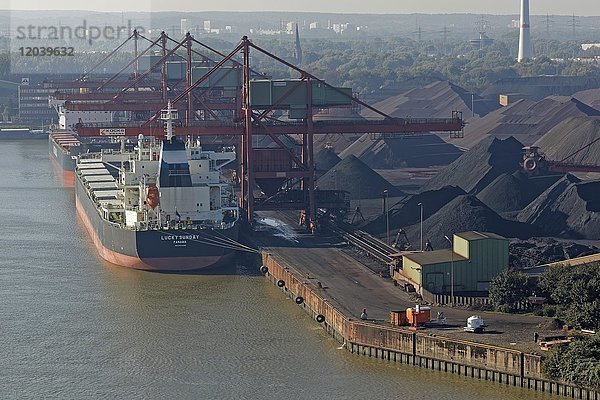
(508, 289)
(549, 310)
(574, 293)
(578, 363)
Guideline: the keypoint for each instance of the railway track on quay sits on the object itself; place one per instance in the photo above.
(373, 247)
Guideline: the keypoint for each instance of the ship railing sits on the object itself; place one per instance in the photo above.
(177, 172)
(90, 156)
(153, 226)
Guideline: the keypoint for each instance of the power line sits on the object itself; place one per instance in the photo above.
(549, 21)
(419, 31)
(575, 23)
(482, 26)
(445, 32)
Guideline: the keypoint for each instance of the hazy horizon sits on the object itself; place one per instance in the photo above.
(537, 7)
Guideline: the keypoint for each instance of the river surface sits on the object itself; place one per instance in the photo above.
(75, 327)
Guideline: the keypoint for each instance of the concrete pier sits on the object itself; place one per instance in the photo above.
(304, 272)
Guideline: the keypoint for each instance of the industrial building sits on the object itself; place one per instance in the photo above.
(33, 104)
(474, 261)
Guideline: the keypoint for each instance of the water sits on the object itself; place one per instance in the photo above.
(75, 327)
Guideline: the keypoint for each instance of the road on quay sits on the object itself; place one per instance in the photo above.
(352, 286)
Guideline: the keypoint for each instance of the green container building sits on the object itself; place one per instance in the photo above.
(224, 77)
(478, 257)
(269, 93)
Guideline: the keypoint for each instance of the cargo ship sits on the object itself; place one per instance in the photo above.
(64, 148)
(162, 206)
(64, 145)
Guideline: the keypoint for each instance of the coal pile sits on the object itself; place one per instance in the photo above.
(569, 208)
(355, 177)
(480, 166)
(513, 192)
(435, 100)
(537, 251)
(466, 213)
(538, 87)
(578, 132)
(419, 152)
(526, 120)
(591, 97)
(408, 212)
(325, 159)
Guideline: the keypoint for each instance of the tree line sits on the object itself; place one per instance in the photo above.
(572, 296)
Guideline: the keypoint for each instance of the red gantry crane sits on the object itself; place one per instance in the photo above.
(227, 97)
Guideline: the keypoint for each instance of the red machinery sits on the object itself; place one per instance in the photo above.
(534, 162)
(213, 110)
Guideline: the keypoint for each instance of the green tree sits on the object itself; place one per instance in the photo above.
(578, 363)
(508, 289)
(576, 292)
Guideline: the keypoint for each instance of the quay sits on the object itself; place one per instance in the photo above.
(322, 275)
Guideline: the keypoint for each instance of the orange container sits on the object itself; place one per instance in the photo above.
(398, 318)
(418, 315)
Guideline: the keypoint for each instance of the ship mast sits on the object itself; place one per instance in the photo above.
(168, 115)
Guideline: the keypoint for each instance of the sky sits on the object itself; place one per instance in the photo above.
(539, 7)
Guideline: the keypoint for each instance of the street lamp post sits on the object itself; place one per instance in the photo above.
(387, 215)
(451, 270)
(421, 206)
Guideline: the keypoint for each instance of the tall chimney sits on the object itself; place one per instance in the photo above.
(524, 38)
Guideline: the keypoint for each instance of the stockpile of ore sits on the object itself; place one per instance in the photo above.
(408, 211)
(355, 177)
(526, 120)
(466, 213)
(591, 97)
(538, 251)
(479, 166)
(569, 208)
(389, 153)
(570, 136)
(513, 192)
(435, 100)
(325, 159)
(487, 180)
(447, 209)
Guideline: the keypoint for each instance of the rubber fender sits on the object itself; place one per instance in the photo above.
(281, 283)
(299, 300)
(264, 269)
(320, 318)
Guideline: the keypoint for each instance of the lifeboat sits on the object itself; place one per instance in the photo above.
(152, 197)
